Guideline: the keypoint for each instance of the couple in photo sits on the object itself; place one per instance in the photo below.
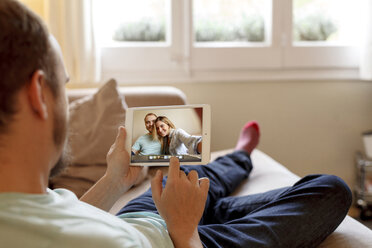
(163, 138)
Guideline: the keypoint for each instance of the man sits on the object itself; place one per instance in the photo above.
(33, 117)
(146, 144)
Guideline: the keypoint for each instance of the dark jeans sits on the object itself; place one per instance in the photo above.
(302, 215)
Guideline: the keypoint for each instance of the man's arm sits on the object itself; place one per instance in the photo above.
(118, 179)
(136, 148)
(200, 145)
(181, 203)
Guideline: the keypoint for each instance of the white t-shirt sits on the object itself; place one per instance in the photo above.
(58, 219)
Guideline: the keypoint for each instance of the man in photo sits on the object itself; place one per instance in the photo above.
(146, 144)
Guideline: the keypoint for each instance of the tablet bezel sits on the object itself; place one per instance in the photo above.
(206, 131)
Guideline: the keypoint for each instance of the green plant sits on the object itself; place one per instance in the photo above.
(248, 28)
(253, 28)
(146, 29)
(314, 27)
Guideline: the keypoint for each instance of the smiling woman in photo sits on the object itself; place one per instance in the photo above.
(175, 141)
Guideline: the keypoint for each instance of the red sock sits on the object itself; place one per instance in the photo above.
(253, 124)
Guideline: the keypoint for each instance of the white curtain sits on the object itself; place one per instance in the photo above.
(366, 51)
(71, 22)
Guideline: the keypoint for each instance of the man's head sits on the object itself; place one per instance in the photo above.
(24, 48)
(32, 76)
(149, 121)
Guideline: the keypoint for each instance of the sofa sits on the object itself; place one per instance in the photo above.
(266, 175)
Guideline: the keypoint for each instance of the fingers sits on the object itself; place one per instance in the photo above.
(120, 138)
(204, 185)
(182, 174)
(156, 186)
(193, 177)
(174, 168)
(175, 172)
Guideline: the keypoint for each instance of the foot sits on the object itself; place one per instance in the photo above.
(249, 137)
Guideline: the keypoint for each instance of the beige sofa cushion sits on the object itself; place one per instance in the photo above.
(94, 121)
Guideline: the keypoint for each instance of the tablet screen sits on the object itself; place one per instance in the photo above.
(159, 134)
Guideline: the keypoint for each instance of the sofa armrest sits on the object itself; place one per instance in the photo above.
(140, 96)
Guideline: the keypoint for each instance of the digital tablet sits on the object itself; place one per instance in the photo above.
(155, 134)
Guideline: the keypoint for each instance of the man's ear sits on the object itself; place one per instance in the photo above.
(36, 94)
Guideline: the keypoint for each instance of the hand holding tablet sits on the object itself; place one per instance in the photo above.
(155, 134)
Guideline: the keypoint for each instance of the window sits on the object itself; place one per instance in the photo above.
(325, 33)
(132, 21)
(326, 21)
(223, 21)
(185, 40)
(229, 33)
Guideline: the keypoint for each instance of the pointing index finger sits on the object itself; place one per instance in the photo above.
(174, 168)
(120, 138)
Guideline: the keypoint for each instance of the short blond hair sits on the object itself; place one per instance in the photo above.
(149, 115)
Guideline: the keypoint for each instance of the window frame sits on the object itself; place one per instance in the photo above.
(180, 61)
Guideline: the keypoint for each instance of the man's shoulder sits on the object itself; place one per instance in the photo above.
(61, 218)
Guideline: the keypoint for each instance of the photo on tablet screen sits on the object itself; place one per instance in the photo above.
(159, 134)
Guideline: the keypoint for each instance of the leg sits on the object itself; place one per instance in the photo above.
(299, 216)
(225, 173)
(142, 203)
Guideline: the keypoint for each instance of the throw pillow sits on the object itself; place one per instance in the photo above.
(94, 121)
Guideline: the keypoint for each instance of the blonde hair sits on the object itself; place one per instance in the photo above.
(155, 134)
